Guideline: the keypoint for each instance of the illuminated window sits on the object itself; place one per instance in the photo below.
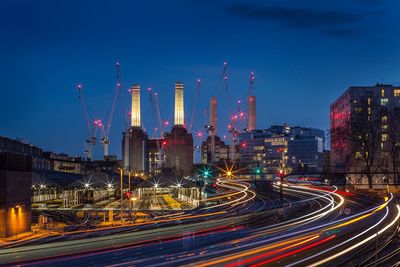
(383, 92)
(384, 119)
(384, 127)
(369, 101)
(358, 155)
(396, 92)
(384, 101)
(384, 137)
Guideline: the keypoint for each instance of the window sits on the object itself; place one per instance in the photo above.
(384, 101)
(358, 155)
(384, 137)
(396, 92)
(369, 101)
(383, 92)
(384, 127)
(384, 119)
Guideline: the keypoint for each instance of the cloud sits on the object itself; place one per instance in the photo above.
(331, 22)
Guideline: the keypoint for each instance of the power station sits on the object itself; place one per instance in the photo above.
(179, 143)
(172, 149)
(175, 150)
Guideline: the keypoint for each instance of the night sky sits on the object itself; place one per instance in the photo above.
(304, 53)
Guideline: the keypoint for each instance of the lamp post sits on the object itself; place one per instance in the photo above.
(155, 188)
(133, 199)
(281, 174)
(129, 181)
(121, 177)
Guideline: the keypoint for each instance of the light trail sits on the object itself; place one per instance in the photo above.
(247, 261)
(361, 242)
(338, 245)
(241, 188)
(295, 251)
(374, 209)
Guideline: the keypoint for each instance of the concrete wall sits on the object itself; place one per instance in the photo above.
(15, 194)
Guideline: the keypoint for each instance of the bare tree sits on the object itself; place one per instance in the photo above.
(392, 129)
(365, 134)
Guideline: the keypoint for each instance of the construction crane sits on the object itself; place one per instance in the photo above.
(251, 105)
(251, 84)
(195, 99)
(153, 98)
(105, 141)
(91, 127)
(232, 127)
(210, 111)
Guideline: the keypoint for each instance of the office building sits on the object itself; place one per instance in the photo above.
(364, 122)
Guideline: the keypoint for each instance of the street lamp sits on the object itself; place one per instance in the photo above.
(281, 174)
(121, 177)
(129, 181)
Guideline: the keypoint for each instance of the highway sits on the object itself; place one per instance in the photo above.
(313, 226)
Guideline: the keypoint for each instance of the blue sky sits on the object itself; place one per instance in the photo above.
(304, 53)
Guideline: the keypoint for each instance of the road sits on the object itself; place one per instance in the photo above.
(314, 226)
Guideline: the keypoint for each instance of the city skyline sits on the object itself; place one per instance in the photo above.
(48, 50)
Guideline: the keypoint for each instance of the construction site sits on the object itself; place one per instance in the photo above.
(171, 146)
